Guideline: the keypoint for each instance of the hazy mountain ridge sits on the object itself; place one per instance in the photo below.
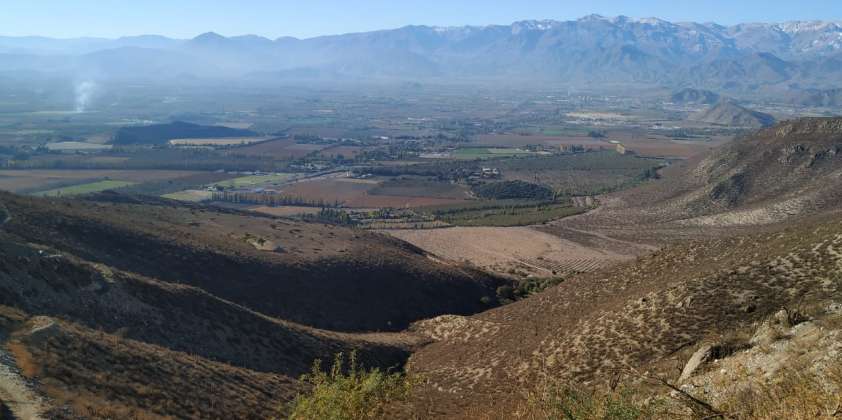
(588, 50)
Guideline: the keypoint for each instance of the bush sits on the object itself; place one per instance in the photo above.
(349, 393)
(574, 403)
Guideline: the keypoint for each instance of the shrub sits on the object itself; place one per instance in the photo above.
(349, 393)
(574, 403)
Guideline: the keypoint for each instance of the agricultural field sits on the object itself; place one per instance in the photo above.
(256, 181)
(472, 153)
(279, 149)
(285, 211)
(582, 174)
(640, 142)
(72, 146)
(37, 180)
(512, 216)
(519, 251)
(190, 196)
(421, 187)
(219, 142)
(521, 140)
(347, 152)
(85, 188)
(359, 193)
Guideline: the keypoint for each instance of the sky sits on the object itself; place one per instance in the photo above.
(308, 18)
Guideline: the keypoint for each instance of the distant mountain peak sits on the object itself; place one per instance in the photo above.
(595, 18)
(209, 37)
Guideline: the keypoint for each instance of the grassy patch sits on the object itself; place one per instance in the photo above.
(349, 392)
(85, 188)
(513, 216)
(192, 196)
(470, 153)
(254, 181)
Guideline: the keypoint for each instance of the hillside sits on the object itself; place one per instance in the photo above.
(694, 96)
(750, 229)
(69, 324)
(313, 274)
(789, 170)
(158, 134)
(214, 299)
(645, 316)
(730, 114)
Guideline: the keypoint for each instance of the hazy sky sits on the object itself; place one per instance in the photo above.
(307, 18)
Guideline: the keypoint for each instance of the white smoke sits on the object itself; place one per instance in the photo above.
(84, 93)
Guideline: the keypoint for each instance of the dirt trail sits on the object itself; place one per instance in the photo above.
(15, 393)
(5, 215)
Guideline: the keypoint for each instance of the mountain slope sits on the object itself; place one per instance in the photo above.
(124, 307)
(634, 317)
(593, 49)
(730, 114)
(789, 170)
(317, 275)
(734, 250)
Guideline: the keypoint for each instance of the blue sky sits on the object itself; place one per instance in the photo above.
(307, 18)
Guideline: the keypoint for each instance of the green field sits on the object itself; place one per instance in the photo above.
(85, 188)
(518, 216)
(470, 153)
(502, 212)
(255, 181)
(193, 196)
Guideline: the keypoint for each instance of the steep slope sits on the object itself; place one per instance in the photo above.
(731, 114)
(317, 275)
(787, 170)
(634, 317)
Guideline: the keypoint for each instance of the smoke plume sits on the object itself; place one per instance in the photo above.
(84, 92)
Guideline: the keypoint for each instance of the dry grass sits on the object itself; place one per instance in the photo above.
(796, 395)
(27, 365)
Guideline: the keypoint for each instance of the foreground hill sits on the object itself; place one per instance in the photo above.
(99, 342)
(125, 307)
(317, 275)
(635, 317)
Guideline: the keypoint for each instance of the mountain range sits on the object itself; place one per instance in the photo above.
(587, 51)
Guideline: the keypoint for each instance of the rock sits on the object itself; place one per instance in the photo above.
(767, 333)
(781, 317)
(701, 356)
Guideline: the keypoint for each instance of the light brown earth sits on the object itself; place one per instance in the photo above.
(356, 193)
(522, 249)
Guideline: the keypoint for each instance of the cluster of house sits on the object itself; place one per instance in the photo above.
(484, 173)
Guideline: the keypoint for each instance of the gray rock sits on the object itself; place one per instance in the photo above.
(700, 357)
